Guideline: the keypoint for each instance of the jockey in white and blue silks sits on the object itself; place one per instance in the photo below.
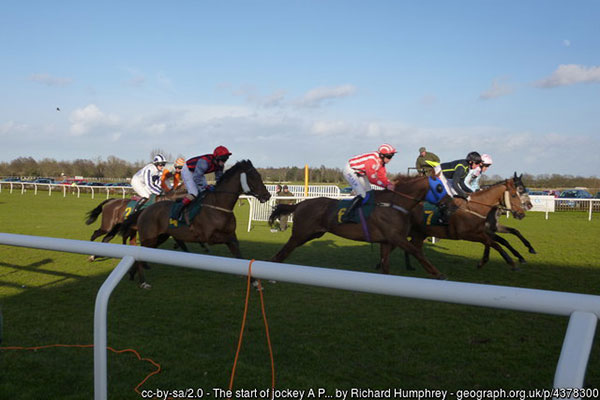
(146, 181)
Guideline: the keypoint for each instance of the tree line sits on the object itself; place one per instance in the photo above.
(114, 168)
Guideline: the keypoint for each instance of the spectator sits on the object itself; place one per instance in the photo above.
(423, 167)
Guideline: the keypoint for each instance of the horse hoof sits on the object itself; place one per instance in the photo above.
(532, 251)
(522, 261)
(516, 269)
(378, 266)
(91, 258)
(442, 277)
(145, 285)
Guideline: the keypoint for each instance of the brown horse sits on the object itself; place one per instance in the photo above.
(475, 221)
(214, 224)
(114, 211)
(388, 224)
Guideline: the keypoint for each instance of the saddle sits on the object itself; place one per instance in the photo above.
(354, 217)
(131, 205)
(178, 218)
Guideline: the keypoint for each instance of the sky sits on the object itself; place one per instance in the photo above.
(289, 83)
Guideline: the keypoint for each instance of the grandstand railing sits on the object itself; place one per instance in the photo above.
(583, 310)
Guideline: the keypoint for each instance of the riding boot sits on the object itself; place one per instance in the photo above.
(187, 199)
(356, 202)
(139, 204)
(443, 213)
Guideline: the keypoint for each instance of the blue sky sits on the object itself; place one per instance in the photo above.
(288, 83)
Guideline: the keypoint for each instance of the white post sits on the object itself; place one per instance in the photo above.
(590, 214)
(570, 370)
(100, 342)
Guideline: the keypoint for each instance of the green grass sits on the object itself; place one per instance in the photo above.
(322, 338)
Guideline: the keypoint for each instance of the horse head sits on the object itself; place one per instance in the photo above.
(522, 190)
(251, 181)
(512, 200)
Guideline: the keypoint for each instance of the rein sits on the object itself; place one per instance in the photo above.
(218, 208)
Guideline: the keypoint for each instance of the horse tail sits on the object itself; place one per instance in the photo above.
(281, 209)
(125, 227)
(92, 216)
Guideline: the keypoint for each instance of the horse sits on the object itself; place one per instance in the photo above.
(214, 224)
(388, 224)
(114, 211)
(475, 220)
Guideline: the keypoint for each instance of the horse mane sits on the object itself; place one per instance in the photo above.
(402, 178)
(238, 166)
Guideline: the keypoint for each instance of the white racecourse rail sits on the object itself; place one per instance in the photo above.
(583, 310)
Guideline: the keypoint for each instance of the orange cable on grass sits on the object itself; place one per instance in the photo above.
(35, 348)
(240, 340)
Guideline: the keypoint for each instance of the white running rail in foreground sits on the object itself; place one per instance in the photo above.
(583, 310)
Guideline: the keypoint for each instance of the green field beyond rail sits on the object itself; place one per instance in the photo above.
(322, 338)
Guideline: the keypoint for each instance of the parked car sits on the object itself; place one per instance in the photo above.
(346, 190)
(11, 179)
(94, 184)
(43, 180)
(538, 193)
(573, 194)
(597, 195)
(72, 181)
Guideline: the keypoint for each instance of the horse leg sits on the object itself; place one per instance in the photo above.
(485, 258)
(417, 252)
(506, 229)
(384, 257)
(506, 244)
(418, 242)
(292, 243)
(505, 256)
(97, 233)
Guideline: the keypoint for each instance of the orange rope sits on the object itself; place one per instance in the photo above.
(237, 353)
(34, 348)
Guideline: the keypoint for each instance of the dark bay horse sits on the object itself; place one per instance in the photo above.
(214, 224)
(475, 221)
(388, 224)
(114, 211)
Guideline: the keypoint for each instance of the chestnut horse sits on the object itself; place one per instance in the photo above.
(388, 224)
(214, 224)
(475, 221)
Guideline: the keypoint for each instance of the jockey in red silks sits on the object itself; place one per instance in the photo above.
(196, 167)
(362, 170)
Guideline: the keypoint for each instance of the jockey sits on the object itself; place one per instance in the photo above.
(146, 181)
(362, 170)
(454, 174)
(474, 175)
(172, 172)
(195, 168)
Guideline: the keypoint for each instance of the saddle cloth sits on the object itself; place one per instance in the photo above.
(354, 217)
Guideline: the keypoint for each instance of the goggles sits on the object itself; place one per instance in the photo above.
(388, 156)
(222, 158)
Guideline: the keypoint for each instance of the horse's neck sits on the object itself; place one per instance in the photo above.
(491, 196)
(228, 193)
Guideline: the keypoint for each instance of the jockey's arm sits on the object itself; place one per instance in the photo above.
(199, 178)
(377, 176)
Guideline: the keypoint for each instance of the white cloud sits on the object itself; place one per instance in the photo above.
(49, 80)
(570, 74)
(11, 128)
(566, 43)
(317, 96)
(90, 117)
(499, 88)
(329, 128)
